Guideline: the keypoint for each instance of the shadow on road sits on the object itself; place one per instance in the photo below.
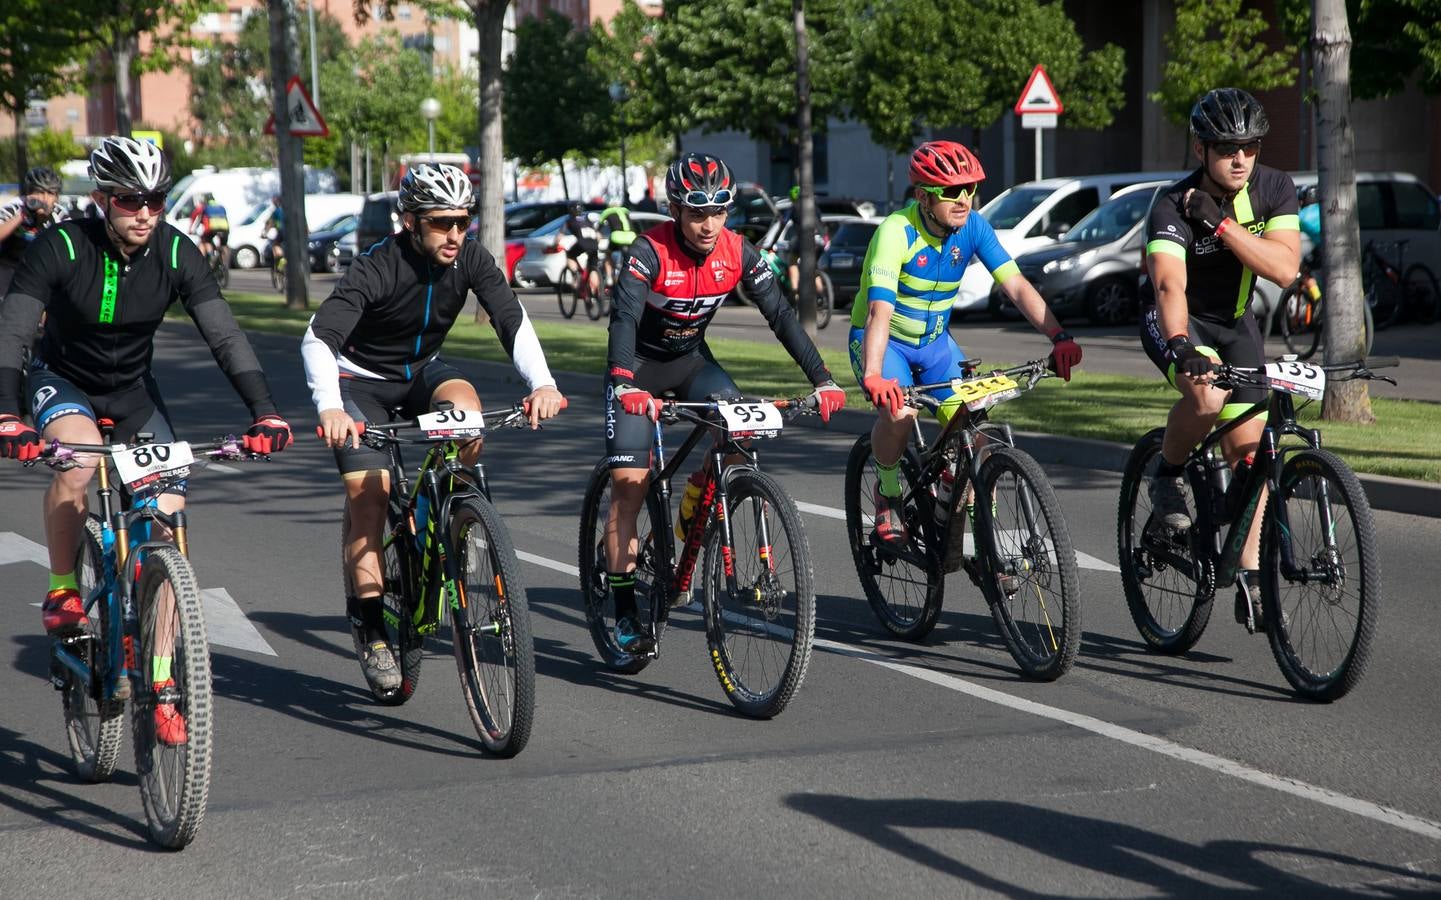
(1164, 864)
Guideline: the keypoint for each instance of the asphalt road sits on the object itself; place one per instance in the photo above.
(898, 770)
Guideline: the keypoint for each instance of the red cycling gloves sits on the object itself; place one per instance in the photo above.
(884, 392)
(633, 400)
(1065, 354)
(269, 434)
(829, 398)
(18, 440)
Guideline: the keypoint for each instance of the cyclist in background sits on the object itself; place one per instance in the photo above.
(899, 323)
(104, 286)
(210, 221)
(374, 346)
(22, 220)
(675, 278)
(1209, 236)
(586, 242)
(277, 231)
(614, 222)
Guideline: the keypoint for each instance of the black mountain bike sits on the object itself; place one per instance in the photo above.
(446, 548)
(143, 601)
(1396, 291)
(1320, 567)
(1022, 559)
(758, 595)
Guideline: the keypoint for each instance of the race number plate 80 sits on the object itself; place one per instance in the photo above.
(138, 466)
(983, 393)
(751, 418)
(452, 423)
(1297, 378)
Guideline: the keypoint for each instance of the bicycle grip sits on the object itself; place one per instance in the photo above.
(525, 405)
(359, 430)
(1382, 362)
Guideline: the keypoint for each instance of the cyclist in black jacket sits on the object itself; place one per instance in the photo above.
(374, 346)
(104, 285)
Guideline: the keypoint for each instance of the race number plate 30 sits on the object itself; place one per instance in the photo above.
(452, 423)
(749, 419)
(983, 393)
(148, 463)
(1297, 378)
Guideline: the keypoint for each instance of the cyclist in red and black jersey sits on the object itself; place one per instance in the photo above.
(1209, 236)
(672, 282)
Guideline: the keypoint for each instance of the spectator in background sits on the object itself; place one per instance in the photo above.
(647, 203)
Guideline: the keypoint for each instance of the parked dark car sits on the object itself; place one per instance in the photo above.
(523, 218)
(843, 256)
(379, 218)
(325, 244)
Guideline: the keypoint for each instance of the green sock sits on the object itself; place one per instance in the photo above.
(63, 581)
(888, 476)
(159, 669)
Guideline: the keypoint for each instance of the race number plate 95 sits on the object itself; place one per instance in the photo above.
(452, 423)
(983, 393)
(146, 463)
(1296, 378)
(751, 419)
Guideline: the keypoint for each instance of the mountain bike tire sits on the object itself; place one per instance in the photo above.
(277, 275)
(1170, 607)
(1423, 296)
(1028, 564)
(594, 305)
(905, 593)
(398, 603)
(825, 299)
(1320, 624)
(1302, 321)
(490, 630)
(654, 568)
(174, 780)
(565, 295)
(93, 727)
(761, 637)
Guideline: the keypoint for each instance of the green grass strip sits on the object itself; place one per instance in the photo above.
(1402, 443)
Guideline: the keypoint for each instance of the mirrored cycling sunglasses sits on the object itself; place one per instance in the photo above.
(1229, 148)
(444, 224)
(954, 193)
(722, 197)
(130, 204)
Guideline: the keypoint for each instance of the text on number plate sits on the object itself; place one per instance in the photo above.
(1297, 378)
(139, 466)
(760, 419)
(983, 393)
(452, 423)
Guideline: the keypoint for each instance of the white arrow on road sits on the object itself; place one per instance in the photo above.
(225, 623)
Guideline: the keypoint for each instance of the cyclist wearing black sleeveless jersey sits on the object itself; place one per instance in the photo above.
(1210, 235)
(104, 286)
(673, 281)
(374, 346)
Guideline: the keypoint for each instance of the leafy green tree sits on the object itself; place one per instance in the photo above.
(1215, 44)
(373, 91)
(556, 103)
(1392, 41)
(903, 82)
(37, 59)
(617, 53)
(45, 148)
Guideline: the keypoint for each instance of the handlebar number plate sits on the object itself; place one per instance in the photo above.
(147, 463)
(1296, 378)
(452, 423)
(983, 393)
(751, 419)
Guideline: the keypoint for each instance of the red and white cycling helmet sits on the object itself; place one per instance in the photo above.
(945, 164)
(699, 180)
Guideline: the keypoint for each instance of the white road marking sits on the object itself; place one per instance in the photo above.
(1083, 560)
(18, 548)
(1219, 764)
(222, 468)
(227, 625)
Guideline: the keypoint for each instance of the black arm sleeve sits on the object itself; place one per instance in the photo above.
(20, 312)
(637, 271)
(201, 298)
(494, 294)
(760, 285)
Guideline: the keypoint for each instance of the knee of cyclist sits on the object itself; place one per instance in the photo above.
(74, 482)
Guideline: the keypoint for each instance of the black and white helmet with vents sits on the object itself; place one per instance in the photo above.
(435, 187)
(125, 164)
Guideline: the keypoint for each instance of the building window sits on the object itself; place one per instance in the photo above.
(72, 114)
(402, 12)
(442, 44)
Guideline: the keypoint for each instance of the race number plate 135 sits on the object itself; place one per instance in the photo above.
(449, 423)
(983, 393)
(146, 463)
(751, 419)
(1297, 378)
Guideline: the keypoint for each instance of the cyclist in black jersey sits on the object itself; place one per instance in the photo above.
(374, 346)
(587, 244)
(104, 285)
(1209, 236)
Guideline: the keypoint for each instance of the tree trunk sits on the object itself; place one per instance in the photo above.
(122, 55)
(22, 143)
(805, 210)
(564, 183)
(1347, 401)
(285, 62)
(489, 21)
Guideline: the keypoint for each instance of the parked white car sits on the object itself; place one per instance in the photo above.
(250, 237)
(545, 247)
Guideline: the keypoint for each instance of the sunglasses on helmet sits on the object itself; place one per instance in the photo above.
(953, 193)
(722, 197)
(130, 204)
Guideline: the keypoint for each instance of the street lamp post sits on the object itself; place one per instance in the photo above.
(618, 96)
(430, 109)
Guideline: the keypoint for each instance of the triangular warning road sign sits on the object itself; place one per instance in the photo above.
(300, 112)
(1039, 95)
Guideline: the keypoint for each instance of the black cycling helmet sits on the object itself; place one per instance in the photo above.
(41, 180)
(1228, 114)
(699, 180)
(125, 164)
(1308, 195)
(576, 208)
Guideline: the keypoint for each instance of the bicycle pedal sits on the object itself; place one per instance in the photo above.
(122, 689)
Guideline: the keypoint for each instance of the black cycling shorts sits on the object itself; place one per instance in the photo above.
(1240, 344)
(134, 409)
(590, 248)
(695, 376)
(372, 400)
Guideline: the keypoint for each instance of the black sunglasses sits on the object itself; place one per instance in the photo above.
(1229, 148)
(444, 224)
(130, 204)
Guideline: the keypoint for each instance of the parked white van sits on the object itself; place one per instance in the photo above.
(1035, 213)
(238, 190)
(251, 234)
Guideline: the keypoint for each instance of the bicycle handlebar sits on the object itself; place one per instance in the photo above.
(1361, 369)
(796, 406)
(61, 455)
(1033, 372)
(517, 415)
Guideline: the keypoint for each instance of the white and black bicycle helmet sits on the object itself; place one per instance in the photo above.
(1228, 114)
(41, 180)
(124, 164)
(435, 187)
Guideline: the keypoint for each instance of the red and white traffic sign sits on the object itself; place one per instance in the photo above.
(300, 112)
(1039, 95)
